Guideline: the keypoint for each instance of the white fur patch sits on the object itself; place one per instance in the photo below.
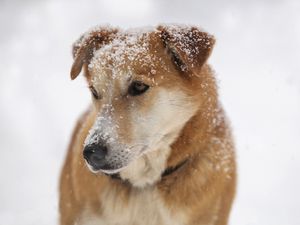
(144, 206)
(147, 169)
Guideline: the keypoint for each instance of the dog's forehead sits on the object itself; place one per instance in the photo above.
(130, 53)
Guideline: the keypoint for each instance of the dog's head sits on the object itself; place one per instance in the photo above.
(145, 85)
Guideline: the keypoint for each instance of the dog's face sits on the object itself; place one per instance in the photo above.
(143, 88)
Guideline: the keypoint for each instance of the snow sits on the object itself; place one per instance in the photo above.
(256, 59)
(185, 36)
(103, 129)
(125, 47)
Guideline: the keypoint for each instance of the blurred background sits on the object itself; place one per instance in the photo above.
(256, 60)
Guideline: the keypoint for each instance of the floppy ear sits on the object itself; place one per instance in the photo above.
(189, 47)
(84, 48)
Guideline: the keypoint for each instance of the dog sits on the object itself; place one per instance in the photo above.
(155, 146)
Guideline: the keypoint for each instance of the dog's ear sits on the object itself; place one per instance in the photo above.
(189, 47)
(84, 48)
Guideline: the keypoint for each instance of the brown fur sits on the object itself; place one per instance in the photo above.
(203, 189)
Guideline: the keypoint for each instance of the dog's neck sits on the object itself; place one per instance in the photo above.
(147, 169)
(196, 134)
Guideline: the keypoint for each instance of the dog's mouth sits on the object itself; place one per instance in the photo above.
(112, 171)
(106, 170)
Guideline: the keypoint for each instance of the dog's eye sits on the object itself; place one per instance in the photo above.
(94, 92)
(137, 88)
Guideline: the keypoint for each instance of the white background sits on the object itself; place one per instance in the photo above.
(256, 59)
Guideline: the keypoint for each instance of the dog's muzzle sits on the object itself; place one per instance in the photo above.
(95, 154)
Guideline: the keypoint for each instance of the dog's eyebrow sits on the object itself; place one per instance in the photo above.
(145, 71)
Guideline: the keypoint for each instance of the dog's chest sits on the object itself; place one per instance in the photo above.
(141, 207)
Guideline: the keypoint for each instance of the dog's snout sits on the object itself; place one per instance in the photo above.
(95, 155)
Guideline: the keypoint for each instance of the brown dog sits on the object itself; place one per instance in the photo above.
(154, 147)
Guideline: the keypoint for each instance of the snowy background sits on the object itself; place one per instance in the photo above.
(257, 63)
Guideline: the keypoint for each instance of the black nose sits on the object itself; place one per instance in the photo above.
(95, 155)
